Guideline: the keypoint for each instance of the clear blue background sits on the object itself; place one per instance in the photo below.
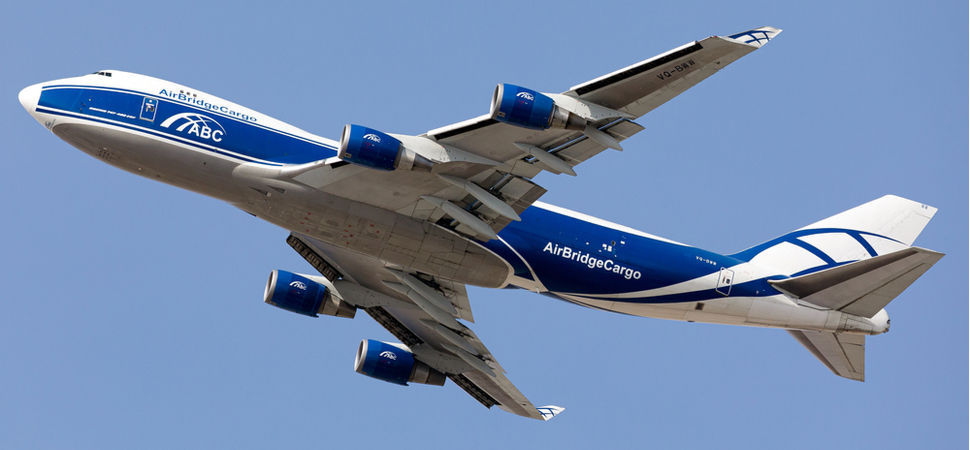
(132, 314)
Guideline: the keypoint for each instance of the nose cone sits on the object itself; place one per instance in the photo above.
(880, 321)
(29, 97)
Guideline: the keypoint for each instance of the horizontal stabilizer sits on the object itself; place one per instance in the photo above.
(864, 287)
(843, 354)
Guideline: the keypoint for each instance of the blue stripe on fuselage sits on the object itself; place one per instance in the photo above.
(161, 135)
(599, 259)
(209, 130)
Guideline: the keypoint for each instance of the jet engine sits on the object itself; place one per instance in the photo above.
(303, 295)
(371, 148)
(526, 108)
(394, 363)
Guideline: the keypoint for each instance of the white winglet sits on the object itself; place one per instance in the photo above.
(756, 37)
(550, 411)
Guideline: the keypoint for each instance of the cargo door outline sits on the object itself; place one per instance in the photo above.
(725, 280)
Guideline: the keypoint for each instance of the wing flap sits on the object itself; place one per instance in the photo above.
(863, 287)
(843, 354)
(582, 148)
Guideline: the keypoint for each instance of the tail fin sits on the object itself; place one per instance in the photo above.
(882, 226)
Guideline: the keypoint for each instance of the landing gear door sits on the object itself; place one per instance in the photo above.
(724, 281)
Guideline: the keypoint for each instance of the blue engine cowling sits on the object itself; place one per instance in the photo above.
(297, 293)
(393, 364)
(370, 148)
(523, 107)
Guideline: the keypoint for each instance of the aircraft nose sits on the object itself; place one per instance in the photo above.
(29, 97)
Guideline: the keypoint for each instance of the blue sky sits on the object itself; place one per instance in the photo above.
(133, 314)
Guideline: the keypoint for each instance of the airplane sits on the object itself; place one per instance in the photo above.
(398, 225)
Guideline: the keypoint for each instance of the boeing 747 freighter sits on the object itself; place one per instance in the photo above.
(398, 225)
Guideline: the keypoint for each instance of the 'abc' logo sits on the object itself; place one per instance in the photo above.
(197, 125)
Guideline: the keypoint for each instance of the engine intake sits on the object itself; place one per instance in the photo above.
(371, 148)
(522, 107)
(298, 293)
(394, 363)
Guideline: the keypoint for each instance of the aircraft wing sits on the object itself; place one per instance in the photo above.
(632, 92)
(481, 177)
(468, 363)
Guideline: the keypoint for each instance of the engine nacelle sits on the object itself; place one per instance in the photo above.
(522, 107)
(371, 148)
(302, 295)
(394, 363)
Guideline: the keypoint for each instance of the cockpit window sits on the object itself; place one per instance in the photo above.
(104, 74)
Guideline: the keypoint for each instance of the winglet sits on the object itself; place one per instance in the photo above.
(550, 411)
(756, 37)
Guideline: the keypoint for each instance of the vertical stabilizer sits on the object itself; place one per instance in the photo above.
(882, 226)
